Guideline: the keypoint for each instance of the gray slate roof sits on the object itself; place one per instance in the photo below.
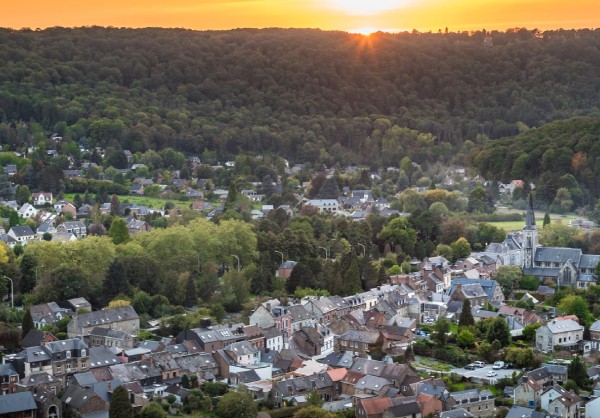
(16, 402)
(557, 254)
(107, 316)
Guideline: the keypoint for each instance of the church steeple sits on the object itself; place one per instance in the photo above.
(530, 217)
(530, 236)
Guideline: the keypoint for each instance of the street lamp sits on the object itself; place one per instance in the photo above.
(279, 252)
(326, 252)
(238, 261)
(363, 247)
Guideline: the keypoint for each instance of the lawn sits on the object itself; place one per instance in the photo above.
(433, 364)
(512, 226)
(151, 202)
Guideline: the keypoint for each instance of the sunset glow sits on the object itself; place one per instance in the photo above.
(423, 15)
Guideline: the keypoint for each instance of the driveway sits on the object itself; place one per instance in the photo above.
(481, 374)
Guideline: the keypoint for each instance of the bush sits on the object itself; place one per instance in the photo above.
(503, 402)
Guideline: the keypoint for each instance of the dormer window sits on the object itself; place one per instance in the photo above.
(68, 354)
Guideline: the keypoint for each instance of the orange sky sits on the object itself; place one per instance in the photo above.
(350, 15)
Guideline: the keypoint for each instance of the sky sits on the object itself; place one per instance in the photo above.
(347, 15)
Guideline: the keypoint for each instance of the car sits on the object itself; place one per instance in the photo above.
(429, 320)
(498, 365)
(492, 373)
(471, 366)
(479, 364)
(507, 366)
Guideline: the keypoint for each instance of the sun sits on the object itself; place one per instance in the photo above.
(367, 7)
(364, 31)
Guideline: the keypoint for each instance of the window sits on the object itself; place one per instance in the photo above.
(68, 353)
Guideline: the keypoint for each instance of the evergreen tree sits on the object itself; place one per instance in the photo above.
(352, 282)
(115, 205)
(499, 331)
(120, 407)
(466, 316)
(185, 381)
(577, 373)
(28, 267)
(546, 219)
(440, 331)
(27, 323)
(329, 189)
(118, 232)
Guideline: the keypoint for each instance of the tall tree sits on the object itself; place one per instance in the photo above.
(118, 232)
(440, 331)
(120, 407)
(499, 331)
(27, 323)
(237, 404)
(578, 373)
(466, 316)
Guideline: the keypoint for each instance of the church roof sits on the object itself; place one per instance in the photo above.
(557, 254)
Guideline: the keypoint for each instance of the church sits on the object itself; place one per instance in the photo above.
(565, 266)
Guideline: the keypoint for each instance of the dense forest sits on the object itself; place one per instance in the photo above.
(563, 157)
(308, 95)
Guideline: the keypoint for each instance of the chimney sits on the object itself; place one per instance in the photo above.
(109, 386)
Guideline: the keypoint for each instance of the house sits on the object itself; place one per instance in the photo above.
(284, 391)
(135, 226)
(44, 228)
(49, 405)
(595, 335)
(68, 357)
(271, 314)
(8, 378)
(27, 211)
(79, 303)
(285, 269)
(529, 391)
(41, 198)
(565, 334)
(100, 336)
(408, 409)
(402, 376)
(21, 234)
(48, 314)
(331, 206)
(18, 405)
(73, 174)
(137, 189)
(83, 402)
(124, 319)
(592, 408)
(70, 209)
(478, 402)
(309, 341)
(76, 228)
(561, 402)
(324, 310)
(456, 413)
(359, 343)
(472, 291)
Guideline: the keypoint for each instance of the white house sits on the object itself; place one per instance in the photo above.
(592, 408)
(325, 205)
(565, 333)
(27, 211)
(21, 234)
(40, 199)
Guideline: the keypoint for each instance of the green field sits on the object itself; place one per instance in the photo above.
(150, 202)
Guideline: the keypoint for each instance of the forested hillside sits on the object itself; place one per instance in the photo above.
(309, 95)
(559, 155)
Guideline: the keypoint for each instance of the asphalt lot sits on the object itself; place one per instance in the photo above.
(482, 373)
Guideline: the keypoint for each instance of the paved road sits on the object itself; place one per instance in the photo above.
(482, 373)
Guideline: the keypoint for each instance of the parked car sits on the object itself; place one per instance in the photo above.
(471, 366)
(508, 366)
(492, 373)
(498, 365)
(479, 364)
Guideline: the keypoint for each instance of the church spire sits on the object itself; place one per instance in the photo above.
(530, 218)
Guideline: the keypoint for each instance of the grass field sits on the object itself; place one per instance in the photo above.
(512, 226)
(150, 202)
